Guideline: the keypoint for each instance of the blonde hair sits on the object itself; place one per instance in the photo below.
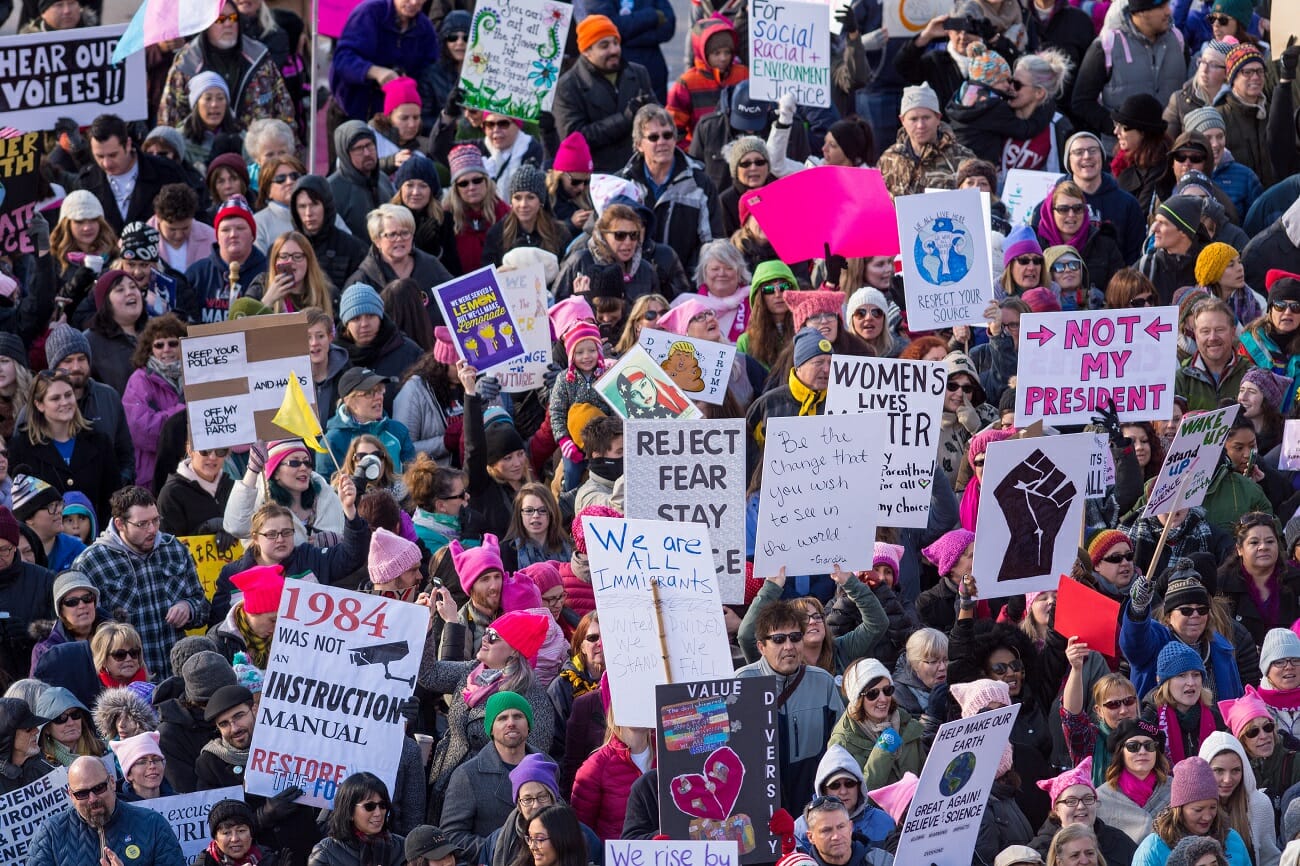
(62, 242)
(460, 210)
(38, 431)
(318, 286)
(1072, 833)
(925, 644)
(105, 640)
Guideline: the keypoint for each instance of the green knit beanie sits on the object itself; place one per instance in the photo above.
(502, 701)
(772, 269)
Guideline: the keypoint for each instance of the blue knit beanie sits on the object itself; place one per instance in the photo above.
(360, 300)
(1177, 658)
(418, 167)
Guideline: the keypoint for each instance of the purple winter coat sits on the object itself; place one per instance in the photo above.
(148, 401)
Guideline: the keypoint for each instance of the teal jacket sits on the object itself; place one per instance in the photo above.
(343, 428)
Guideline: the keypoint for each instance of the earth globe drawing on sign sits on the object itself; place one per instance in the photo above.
(941, 249)
(957, 774)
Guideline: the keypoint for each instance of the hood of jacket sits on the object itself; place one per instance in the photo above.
(1220, 741)
(112, 539)
(344, 137)
(320, 188)
(112, 704)
(835, 762)
(704, 30)
(336, 361)
(76, 497)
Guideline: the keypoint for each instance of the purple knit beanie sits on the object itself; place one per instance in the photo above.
(535, 768)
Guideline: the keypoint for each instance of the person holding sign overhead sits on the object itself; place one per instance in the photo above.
(287, 479)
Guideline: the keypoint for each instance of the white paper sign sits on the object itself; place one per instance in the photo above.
(1032, 499)
(1290, 456)
(524, 290)
(906, 18)
(69, 73)
(1101, 467)
(1190, 461)
(632, 561)
(341, 665)
(212, 359)
(514, 56)
(1071, 364)
(790, 51)
(700, 368)
(944, 819)
(188, 816)
(23, 811)
(268, 379)
(820, 495)
(219, 418)
(670, 852)
(945, 255)
(693, 472)
(910, 394)
(1024, 190)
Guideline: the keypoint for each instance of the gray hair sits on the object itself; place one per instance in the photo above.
(650, 114)
(265, 132)
(399, 214)
(723, 251)
(925, 644)
(1047, 69)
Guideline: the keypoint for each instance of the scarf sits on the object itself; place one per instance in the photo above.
(186, 471)
(373, 849)
(226, 752)
(169, 372)
(1280, 700)
(1244, 306)
(732, 312)
(970, 504)
(809, 400)
(1168, 719)
(1051, 235)
(480, 685)
(577, 678)
(252, 858)
(1100, 755)
(1271, 609)
(112, 682)
(873, 730)
(1137, 790)
(259, 648)
(447, 525)
(61, 755)
(581, 566)
(962, 61)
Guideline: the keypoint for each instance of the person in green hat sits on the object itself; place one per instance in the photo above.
(770, 326)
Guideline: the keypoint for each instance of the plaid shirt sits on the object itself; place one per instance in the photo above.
(146, 585)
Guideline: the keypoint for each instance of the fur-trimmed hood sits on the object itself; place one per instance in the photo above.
(115, 703)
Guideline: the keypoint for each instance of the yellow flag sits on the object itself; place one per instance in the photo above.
(297, 416)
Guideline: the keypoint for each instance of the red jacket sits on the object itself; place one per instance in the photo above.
(695, 94)
(602, 787)
(582, 598)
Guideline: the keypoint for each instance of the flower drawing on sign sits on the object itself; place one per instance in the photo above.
(940, 250)
(543, 74)
(479, 61)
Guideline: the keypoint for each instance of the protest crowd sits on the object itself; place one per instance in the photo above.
(144, 575)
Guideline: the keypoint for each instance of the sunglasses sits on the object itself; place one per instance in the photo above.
(1266, 728)
(872, 694)
(780, 638)
(497, 124)
(1069, 208)
(1194, 610)
(1221, 20)
(752, 163)
(592, 638)
(223, 453)
(778, 286)
(166, 344)
(458, 36)
(578, 181)
(1135, 746)
(842, 785)
(232, 18)
(1028, 260)
(77, 600)
(1285, 306)
(85, 793)
(651, 315)
(1193, 158)
(1117, 558)
(121, 655)
(73, 715)
(652, 137)
(1015, 666)
(1062, 267)
(872, 312)
(959, 386)
(1142, 301)
(372, 805)
(467, 182)
(297, 463)
(491, 636)
(625, 236)
(1120, 702)
(287, 177)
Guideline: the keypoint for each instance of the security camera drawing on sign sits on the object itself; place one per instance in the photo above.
(383, 654)
(940, 251)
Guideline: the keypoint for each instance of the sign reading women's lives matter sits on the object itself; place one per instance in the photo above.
(1191, 461)
(1032, 497)
(525, 292)
(910, 394)
(656, 589)
(820, 495)
(513, 59)
(945, 255)
(790, 51)
(479, 319)
(693, 472)
(700, 368)
(1071, 366)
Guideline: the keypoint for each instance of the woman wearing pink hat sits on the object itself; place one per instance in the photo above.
(397, 127)
(250, 625)
(1193, 811)
(1074, 801)
(1274, 766)
(143, 765)
(569, 182)
(694, 316)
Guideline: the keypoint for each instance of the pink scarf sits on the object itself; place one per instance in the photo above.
(970, 504)
(1137, 790)
(732, 311)
(476, 690)
(1168, 721)
(1279, 700)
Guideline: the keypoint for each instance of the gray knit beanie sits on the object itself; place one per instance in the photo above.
(62, 341)
(204, 673)
(746, 144)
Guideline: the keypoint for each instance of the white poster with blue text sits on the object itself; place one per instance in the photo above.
(945, 255)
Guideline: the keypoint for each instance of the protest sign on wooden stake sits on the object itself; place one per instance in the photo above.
(693, 472)
(1191, 461)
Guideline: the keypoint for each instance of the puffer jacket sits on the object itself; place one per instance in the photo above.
(331, 852)
(67, 840)
(602, 786)
(113, 704)
(261, 93)
(1263, 833)
(343, 428)
(908, 173)
(149, 401)
(694, 95)
(417, 408)
(355, 194)
(339, 253)
(687, 214)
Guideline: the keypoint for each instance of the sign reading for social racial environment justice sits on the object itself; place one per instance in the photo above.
(342, 663)
(188, 816)
(947, 809)
(945, 255)
(1072, 364)
(68, 73)
(1190, 462)
(514, 54)
(1032, 499)
(820, 495)
(790, 52)
(693, 472)
(910, 394)
(700, 368)
(479, 319)
(525, 292)
(718, 763)
(679, 640)
(24, 810)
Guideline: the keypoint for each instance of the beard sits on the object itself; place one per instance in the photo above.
(224, 43)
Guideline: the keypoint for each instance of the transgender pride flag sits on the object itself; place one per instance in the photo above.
(160, 20)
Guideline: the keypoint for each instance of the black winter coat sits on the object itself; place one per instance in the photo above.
(1269, 249)
(1232, 583)
(26, 594)
(338, 252)
(587, 102)
(155, 173)
(390, 354)
(843, 616)
(185, 506)
(93, 469)
(1112, 843)
(428, 272)
(916, 64)
(182, 735)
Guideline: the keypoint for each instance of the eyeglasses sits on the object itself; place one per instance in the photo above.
(965, 388)
(540, 800)
(592, 638)
(1069, 208)
(287, 177)
(778, 286)
(363, 146)
(752, 163)
(215, 452)
(813, 616)
(151, 761)
(277, 534)
(1193, 158)
(872, 312)
(77, 600)
(296, 258)
(533, 512)
(1086, 151)
(535, 841)
(1075, 802)
(232, 18)
(372, 805)
(1135, 746)
(1208, 65)
(1252, 71)
(700, 317)
(1028, 260)
(1190, 610)
(399, 235)
(151, 523)
(842, 785)
(1015, 666)
(1285, 306)
(55, 508)
(1286, 663)
(779, 639)
(872, 694)
(491, 636)
(1117, 558)
(652, 137)
(1266, 728)
(1115, 704)
(497, 124)
(159, 345)
(121, 655)
(86, 793)
(7, 551)
(464, 494)
(467, 182)
(1142, 301)
(625, 236)
(1062, 267)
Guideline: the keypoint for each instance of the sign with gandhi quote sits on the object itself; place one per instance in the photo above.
(693, 472)
(945, 255)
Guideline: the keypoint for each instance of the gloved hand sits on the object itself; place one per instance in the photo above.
(489, 388)
(279, 807)
(38, 232)
(889, 740)
(553, 371)
(455, 105)
(848, 21)
(257, 457)
(546, 122)
(1290, 60)
(1108, 419)
(785, 108)
(571, 452)
(634, 104)
(1140, 592)
(225, 541)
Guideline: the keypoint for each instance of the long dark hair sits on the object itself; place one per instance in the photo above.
(104, 324)
(438, 377)
(354, 790)
(405, 305)
(565, 832)
(768, 335)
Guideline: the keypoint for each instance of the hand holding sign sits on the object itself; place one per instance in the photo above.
(1035, 496)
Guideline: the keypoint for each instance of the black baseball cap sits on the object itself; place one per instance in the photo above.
(428, 841)
(359, 379)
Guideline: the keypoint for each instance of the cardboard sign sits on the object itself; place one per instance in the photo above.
(1032, 500)
(476, 313)
(790, 52)
(854, 216)
(235, 375)
(341, 665)
(1289, 459)
(1088, 615)
(1190, 461)
(906, 18)
(69, 73)
(945, 259)
(660, 609)
(910, 394)
(693, 472)
(22, 812)
(1284, 22)
(718, 764)
(943, 821)
(637, 387)
(525, 292)
(188, 816)
(208, 562)
(1023, 191)
(821, 493)
(700, 368)
(669, 852)
(1071, 364)
(20, 155)
(514, 54)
